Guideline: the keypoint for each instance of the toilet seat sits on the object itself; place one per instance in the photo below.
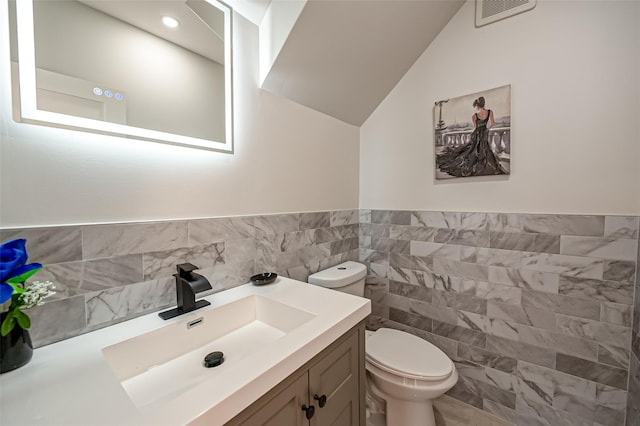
(406, 355)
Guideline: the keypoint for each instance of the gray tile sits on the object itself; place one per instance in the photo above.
(372, 256)
(593, 371)
(486, 358)
(604, 248)
(412, 233)
(210, 231)
(411, 291)
(472, 321)
(491, 257)
(619, 270)
(432, 311)
(499, 292)
(608, 291)
(540, 281)
(436, 219)
(539, 243)
(344, 217)
(412, 276)
(365, 242)
(116, 271)
(465, 302)
(116, 240)
(57, 320)
(315, 220)
(375, 230)
(326, 235)
(530, 412)
(162, 264)
(522, 351)
(410, 262)
(276, 224)
(365, 216)
(561, 304)
(613, 355)
(466, 392)
(460, 334)
(608, 417)
(49, 245)
(594, 330)
(535, 383)
(425, 248)
(123, 302)
(475, 221)
(522, 315)
(610, 397)
(460, 269)
(574, 266)
(380, 216)
(390, 245)
(575, 346)
(67, 278)
(505, 222)
(574, 404)
(616, 313)
(564, 224)
(343, 246)
(409, 319)
(234, 266)
(463, 237)
(621, 226)
(400, 217)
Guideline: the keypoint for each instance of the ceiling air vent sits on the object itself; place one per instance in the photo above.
(488, 11)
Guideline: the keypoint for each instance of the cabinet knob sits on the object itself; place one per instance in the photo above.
(322, 400)
(310, 410)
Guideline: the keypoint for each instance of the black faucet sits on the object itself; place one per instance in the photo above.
(188, 283)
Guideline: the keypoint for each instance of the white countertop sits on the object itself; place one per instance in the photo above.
(69, 383)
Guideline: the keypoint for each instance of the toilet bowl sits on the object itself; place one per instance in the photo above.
(407, 379)
(405, 371)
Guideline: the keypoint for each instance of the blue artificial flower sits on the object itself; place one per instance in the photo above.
(13, 256)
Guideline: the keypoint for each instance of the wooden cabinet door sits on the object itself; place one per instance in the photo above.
(284, 409)
(336, 376)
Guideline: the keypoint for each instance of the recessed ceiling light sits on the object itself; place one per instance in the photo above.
(170, 22)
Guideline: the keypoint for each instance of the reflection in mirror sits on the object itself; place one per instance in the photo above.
(158, 70)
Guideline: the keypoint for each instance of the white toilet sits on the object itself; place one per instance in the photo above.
(404, 370)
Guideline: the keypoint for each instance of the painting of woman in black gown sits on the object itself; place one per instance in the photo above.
(478, 145)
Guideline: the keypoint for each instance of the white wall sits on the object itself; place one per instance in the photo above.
(573, 67)
(287, 158)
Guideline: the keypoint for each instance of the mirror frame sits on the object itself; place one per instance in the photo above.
(30, 113)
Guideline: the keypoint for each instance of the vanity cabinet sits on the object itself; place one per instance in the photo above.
(333, 383)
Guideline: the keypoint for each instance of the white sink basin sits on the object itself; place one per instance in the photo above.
(157, 366)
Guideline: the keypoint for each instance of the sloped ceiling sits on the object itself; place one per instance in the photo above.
(342, 57)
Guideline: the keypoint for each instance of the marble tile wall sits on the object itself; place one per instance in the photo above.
(106, 274)
(633, 397)
(535, 310)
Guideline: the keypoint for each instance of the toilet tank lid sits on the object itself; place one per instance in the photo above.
(340, 275)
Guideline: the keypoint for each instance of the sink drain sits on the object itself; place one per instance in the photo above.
(213, 359)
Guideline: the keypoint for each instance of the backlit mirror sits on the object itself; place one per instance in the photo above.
(155, 70)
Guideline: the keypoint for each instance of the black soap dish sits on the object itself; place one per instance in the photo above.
(264, 278)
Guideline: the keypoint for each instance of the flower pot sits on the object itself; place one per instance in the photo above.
(16, 348)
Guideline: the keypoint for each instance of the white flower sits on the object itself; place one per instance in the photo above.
(35, 294)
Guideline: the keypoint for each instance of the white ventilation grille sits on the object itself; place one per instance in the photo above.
(488, 11)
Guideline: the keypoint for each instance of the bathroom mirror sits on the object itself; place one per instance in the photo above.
(156, 70)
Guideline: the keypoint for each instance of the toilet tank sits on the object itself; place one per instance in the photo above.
(347, 277)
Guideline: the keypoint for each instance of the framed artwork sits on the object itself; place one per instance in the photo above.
(473, 134)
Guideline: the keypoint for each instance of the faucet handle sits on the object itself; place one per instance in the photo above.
(185, 269)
